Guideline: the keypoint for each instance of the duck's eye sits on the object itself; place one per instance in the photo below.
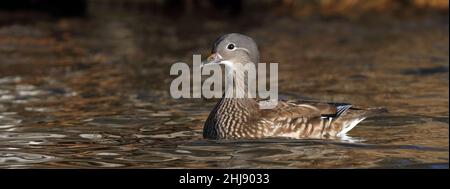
(230, 46)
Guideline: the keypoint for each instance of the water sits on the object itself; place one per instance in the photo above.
(94, 92)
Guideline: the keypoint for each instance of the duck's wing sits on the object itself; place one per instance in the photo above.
(314, 119)
(307, 109)
(285, 109)
(297, 120)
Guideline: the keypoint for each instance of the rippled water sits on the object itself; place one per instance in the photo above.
(93, 92)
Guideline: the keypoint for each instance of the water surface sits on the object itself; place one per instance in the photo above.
(94, 92)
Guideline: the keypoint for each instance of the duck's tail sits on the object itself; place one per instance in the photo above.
(348, 120)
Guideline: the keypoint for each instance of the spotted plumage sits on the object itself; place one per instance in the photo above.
(242, 118)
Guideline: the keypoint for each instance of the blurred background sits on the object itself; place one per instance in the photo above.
(86, 83)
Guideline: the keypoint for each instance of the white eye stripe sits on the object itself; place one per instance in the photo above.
(242, 49)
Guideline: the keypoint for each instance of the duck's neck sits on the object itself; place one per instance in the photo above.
(237, 94)
(231, 113)
(237, 81)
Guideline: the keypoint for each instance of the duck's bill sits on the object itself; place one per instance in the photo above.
(212, 59)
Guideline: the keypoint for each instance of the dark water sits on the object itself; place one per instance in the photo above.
(94, 92)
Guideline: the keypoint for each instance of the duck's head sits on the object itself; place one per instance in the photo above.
(233, 48)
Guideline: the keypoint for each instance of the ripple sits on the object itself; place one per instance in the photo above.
(107, 154)
(174, 135)
(407, 147)
(161, 114)
(41, 109)
(389, 121)
(2, 126)
(2, 92)
(11, 79)
(92, 163)
(8, 121)
(152, 158)
(9, 158)
(7, 97)
(116, 121)
(91, 136)
(30, 135)
(29, 93)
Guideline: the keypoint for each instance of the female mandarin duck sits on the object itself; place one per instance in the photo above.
(242, 118)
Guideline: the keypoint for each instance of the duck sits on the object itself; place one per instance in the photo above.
(243, 118)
